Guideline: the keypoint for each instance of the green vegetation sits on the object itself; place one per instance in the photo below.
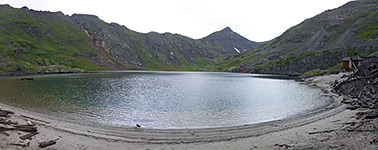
(314, 72)
(284, 61)
(350, 52)
(332, 39)
(316, 43)
(317, 72)
(40, 42)
(372, 29)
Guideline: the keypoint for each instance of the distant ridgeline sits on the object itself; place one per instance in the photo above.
(50, 42)
(315, 46)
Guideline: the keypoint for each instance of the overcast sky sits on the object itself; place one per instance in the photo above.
(257, 20)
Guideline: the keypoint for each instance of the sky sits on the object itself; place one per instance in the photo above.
(257, 20)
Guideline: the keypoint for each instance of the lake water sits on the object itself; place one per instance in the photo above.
(162, 99)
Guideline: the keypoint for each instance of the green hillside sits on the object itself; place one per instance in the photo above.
(51, 42)
(33, 42)
(316, 45)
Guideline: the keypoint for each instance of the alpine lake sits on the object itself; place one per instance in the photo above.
(163, 100)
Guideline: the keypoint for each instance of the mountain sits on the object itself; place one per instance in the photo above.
(43, 42)
(316, 45)
(229, 41)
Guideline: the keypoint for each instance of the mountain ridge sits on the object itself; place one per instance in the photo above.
(227, 35)
(43, 42)
(316, 45)
(32, 38)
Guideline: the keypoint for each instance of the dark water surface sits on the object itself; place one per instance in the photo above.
(162, 99)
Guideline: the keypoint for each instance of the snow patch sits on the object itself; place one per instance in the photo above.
(236, 49)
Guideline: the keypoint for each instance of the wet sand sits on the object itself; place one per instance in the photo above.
(296, 132)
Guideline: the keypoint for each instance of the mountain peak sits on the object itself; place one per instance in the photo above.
(230, 41)
(227, 29)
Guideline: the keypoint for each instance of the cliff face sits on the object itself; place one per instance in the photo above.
(41, 42)
(317, 44)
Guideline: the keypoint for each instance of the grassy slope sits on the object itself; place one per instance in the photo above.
(152, 50)
(35, 42)
(43, 42)
(38, 42)
(297, 43)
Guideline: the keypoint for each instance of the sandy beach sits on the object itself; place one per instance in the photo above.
(327, 128)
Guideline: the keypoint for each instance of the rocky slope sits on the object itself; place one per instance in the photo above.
(316, 45)
(42, 42)
(156, 50)
(228, 41)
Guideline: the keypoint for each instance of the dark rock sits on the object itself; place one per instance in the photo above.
(359, 115)
(351, 107)
(30, 78)
(46, 143)
(24, 8)
(371, 115)
(348, 100)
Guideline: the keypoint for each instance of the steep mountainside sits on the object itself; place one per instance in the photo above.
(228, 41)
(156, 50)
(39, 42)
(317, 44)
